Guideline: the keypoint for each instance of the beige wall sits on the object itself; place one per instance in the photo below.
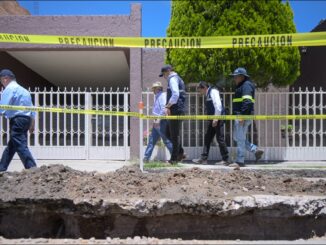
(153, 60)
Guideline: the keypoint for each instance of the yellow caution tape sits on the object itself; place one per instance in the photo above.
(70, 111)
(142, 116)
(244, 41)
(238, 117)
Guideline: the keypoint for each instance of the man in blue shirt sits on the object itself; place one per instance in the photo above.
(20, 121)
(176, 98)
(159, 126)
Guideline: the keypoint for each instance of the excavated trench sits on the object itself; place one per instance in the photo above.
(58, 202)
(245, 218)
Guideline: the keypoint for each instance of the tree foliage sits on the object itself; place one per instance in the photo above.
(279, 65)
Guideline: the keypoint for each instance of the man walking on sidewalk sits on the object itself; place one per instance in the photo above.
(175, 106)
(243, 104)
(20, 121)
(215, 127)
(159, 125)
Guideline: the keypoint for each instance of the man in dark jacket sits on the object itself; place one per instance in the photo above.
(243, 104)
(176, 98)
(215, 127)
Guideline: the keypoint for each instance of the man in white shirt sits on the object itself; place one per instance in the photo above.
(215, 127)
(175, 106)
(159, 126)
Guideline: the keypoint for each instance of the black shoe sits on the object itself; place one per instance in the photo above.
(258, 155)
(181, 157)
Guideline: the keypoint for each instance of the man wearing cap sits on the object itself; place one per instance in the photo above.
(175, 106)
(159, 125)
(215, 127)
(20, 121)
(243, 104)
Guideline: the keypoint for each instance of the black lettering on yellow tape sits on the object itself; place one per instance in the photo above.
(187, 42)
(249, 41)
(262, 42)
(14, 37)
(89, 41)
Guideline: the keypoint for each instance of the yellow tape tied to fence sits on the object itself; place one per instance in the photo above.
(244, 41)
(249, 41)
(185, 117)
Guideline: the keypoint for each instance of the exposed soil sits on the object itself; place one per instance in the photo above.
(58, 181)
(59, 202)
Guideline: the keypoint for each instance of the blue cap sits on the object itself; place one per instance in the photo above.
(240, 71)
(6, 73)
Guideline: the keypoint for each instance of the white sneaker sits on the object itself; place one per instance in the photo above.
(199, 161)
(225, 163)
(237, 165)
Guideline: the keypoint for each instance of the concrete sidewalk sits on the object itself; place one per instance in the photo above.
(81, 165)
(111, 165)
(266, 165)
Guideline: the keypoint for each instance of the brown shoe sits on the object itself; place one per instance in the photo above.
(258, 155)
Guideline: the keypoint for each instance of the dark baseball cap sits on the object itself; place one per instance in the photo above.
(6, 73)
(165, 68)
(202, 84)
(240, 71)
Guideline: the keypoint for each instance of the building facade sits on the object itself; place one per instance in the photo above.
(63, 66)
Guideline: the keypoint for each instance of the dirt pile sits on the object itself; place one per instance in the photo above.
(58, 181)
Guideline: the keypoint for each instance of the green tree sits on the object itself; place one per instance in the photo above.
(279, 65)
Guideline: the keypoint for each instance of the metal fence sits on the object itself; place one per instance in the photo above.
(280, 139)
(74, 136)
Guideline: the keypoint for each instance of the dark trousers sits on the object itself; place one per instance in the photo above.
(219, 133)
(19, 126)
(175, 138)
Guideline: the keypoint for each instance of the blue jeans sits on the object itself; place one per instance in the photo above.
(19, 126)
(240, 136)
(157, 132)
